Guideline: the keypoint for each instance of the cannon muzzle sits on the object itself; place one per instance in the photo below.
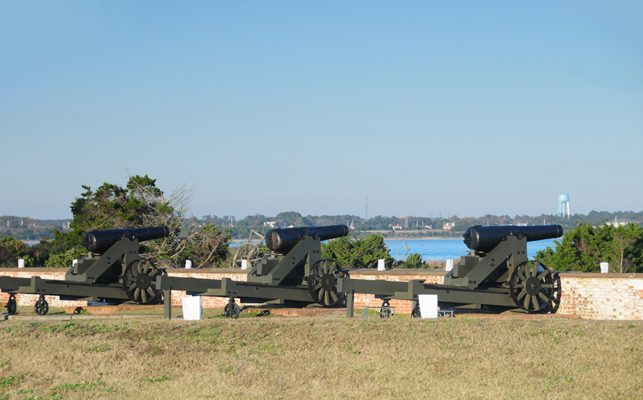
(485, 238)
(282, 240)
(100, 241)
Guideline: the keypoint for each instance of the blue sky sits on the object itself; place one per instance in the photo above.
(430, 108)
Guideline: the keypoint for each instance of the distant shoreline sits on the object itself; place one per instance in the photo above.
(422, 238)
(385, 238)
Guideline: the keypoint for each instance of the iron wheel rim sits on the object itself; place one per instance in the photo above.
(139, 282)
(12, 305)
(41, 307)
(533, 286)
(322, 283)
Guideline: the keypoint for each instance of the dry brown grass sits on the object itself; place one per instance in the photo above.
(321, 358)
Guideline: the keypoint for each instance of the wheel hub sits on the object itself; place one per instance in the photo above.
(533, 285)
(143, 281)
(328, 282)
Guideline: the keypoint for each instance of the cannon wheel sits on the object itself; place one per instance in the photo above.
(42, 306)
(139, 282)
(322, 283)
(385, 310)
(12, 305)
(232, 310)
(556, 293)
(535, 288)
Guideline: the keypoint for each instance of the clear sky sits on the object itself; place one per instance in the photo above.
(430, 108)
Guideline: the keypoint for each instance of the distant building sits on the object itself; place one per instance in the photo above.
(617, 224)
(447, 226)
(270, 224)
(396, 227)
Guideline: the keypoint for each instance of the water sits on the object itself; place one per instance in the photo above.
(440, 249)
(443, 249)
(430, 249)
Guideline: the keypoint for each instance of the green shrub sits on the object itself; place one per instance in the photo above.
(414, 260)
(66, 258)
(357, 253)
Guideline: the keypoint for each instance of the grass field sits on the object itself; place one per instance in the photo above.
(321, 358)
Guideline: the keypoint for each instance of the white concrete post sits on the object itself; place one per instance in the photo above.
(381, 266)
(191, 308)
(449, 265)
(428, 305)
(244, 264)
(605, 267)
(21, 263)
(188, 264)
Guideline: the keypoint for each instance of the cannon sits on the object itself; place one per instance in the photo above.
(294, 274)
(495, 275)
(100, 241)
(114, 271)
(283, 240)
(484, 238)
(499, 260)
(119, 262)
(298, 262)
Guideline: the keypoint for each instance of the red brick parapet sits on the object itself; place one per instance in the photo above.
(585, 295)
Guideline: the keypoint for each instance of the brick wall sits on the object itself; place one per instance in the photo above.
(602, 296)
(586, 295)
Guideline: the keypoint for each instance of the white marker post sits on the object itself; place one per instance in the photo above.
(188, 264)
(191, 308)
(605, 267)
(428, 305)
(244, 264)
(21, 263)
(449, 266)
(381, 266)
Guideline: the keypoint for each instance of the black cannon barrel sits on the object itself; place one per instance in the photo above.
(100, 241)
(282, 240)
(485, 238)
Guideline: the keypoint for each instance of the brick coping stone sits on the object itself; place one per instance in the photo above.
(400, 271)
